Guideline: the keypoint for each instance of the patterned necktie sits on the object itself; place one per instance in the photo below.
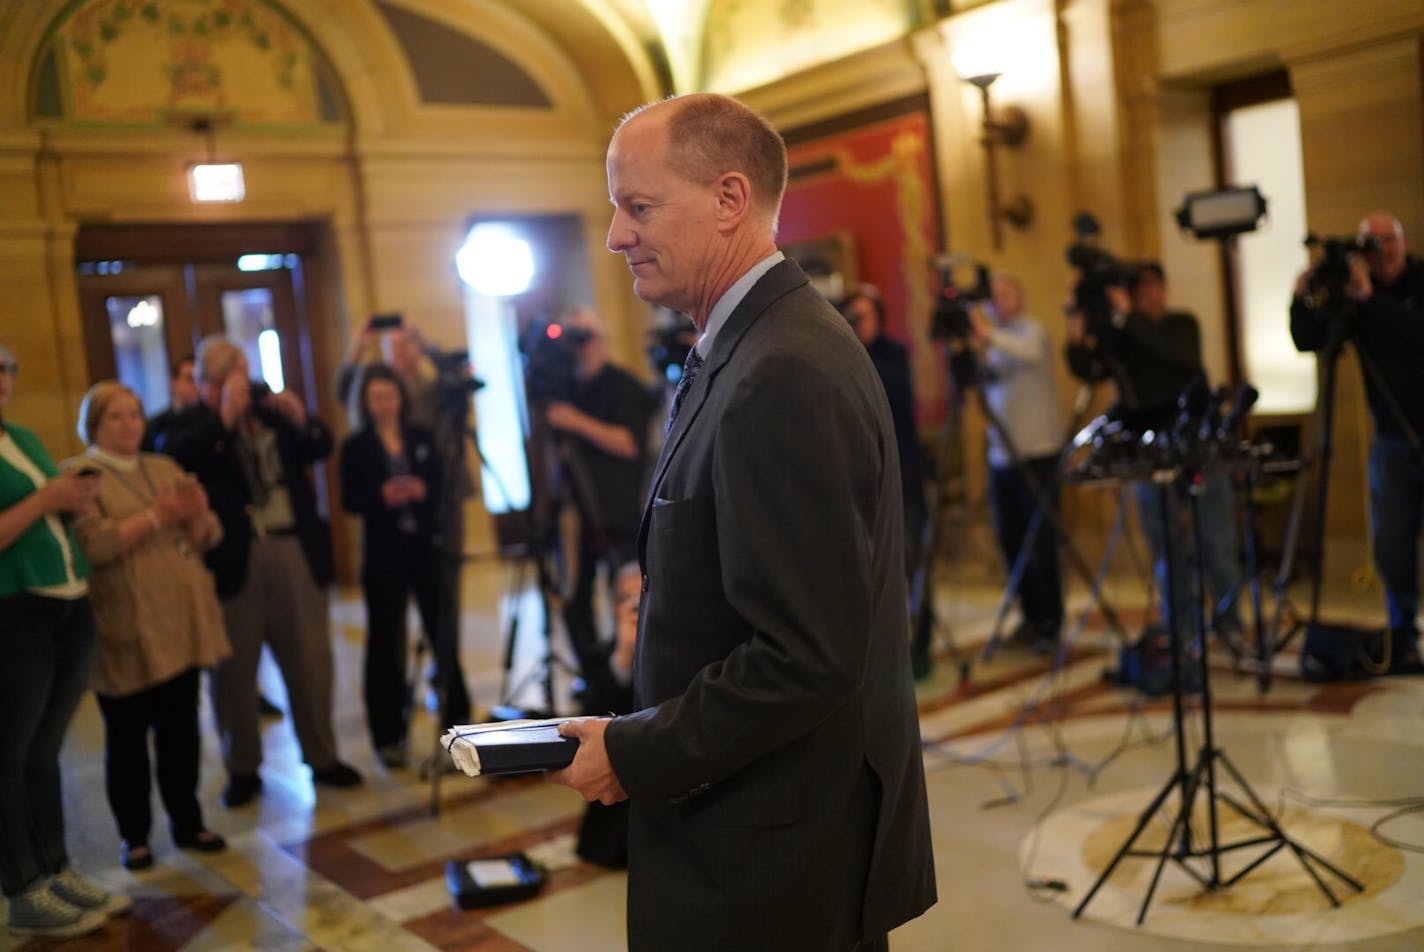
(690, 367)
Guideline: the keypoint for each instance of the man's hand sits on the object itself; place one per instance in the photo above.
(1361, 288)
(591, 773)
(564, 416)
(1119, 298)
(236, 397)
(980, 329)
(289, 405)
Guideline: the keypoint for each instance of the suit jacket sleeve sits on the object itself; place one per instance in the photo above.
(797, 473)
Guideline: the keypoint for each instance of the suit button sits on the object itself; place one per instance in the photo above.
(645, 581)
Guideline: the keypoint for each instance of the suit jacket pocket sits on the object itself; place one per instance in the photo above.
(747, 803)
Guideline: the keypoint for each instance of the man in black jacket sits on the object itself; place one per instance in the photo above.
(1386, 290)
(250, 449)
(604, 423)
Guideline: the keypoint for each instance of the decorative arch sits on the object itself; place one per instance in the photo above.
(239, 63)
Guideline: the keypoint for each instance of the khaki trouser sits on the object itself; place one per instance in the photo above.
(280, 604)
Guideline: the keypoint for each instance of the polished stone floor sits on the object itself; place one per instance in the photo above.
(1037, 773)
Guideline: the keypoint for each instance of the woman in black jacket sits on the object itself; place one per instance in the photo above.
(390, 477)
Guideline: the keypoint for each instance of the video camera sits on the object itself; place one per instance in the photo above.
(550, 355)
(454, 380)
(1097, 271)
(1332, 272)
(950, 320)
(669, 344)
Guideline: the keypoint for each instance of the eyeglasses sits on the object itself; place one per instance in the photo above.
(9, 367)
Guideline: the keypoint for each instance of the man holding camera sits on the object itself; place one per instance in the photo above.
(1154, 356)
(604, 420)
(250, 448)
(1017, 387)
(1383, 308)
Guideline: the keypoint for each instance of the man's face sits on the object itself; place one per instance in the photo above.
(1007, 300)
(592, 353)
(184, 390)
(662, 224)
(401, 352)
(1149, 294)
(1387, 261)
(211, 391)
(867, 322)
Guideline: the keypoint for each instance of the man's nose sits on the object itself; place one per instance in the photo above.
(620, 237)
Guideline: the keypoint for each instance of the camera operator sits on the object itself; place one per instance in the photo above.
(440, 405)
(865, 310)
(1383, 307)
(1016, 382)
(604, 418)
(1154, 355)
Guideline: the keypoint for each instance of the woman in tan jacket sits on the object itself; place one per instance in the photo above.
(157, 618)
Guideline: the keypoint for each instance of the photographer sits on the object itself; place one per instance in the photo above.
(865, 310)
(251, 450)
(1381, 304)
(1016, 382)
(1154, 355)
(603, 419)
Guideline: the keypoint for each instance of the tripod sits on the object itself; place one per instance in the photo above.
(1199, 779)
(1323, 419)
(1045, 509)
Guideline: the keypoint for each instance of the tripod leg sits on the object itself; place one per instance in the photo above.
(1142, 820)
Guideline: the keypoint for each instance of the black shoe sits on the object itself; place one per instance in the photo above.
(135, 856)
(204, 841)
(241, 790)
(266, 708)
(337, 775)
(392, 756)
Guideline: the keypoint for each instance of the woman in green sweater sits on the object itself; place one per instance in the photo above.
(47, 634)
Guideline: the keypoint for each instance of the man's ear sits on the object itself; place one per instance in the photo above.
(734, 198)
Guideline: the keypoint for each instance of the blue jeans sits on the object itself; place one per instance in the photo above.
(1397, 515)
(48, 646)
(1217, 506)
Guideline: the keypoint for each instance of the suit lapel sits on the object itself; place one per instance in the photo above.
(783, 278)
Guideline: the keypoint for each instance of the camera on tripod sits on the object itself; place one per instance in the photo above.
(454, 380)
(668, 346)
(1332, 272)
(1098, 271)
(550, 356)
(950, 320)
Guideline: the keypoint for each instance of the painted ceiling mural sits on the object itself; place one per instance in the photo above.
(159, 61)
(748, 43)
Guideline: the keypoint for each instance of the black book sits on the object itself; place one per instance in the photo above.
(509, 748)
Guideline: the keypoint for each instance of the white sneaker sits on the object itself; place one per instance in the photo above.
(38, 911)
(78, 891)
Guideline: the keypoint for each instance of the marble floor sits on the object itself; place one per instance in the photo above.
(1037, 773)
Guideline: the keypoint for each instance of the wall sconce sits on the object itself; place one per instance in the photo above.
(1008, 129)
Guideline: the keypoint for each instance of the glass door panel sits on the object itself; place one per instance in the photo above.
(141, 359)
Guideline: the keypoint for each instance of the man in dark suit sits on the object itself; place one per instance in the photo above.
(773, 769)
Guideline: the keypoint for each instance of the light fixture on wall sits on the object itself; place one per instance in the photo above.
(1008, 128)
(213, 181)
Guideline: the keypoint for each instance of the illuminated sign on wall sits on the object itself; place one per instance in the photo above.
(216, 182)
